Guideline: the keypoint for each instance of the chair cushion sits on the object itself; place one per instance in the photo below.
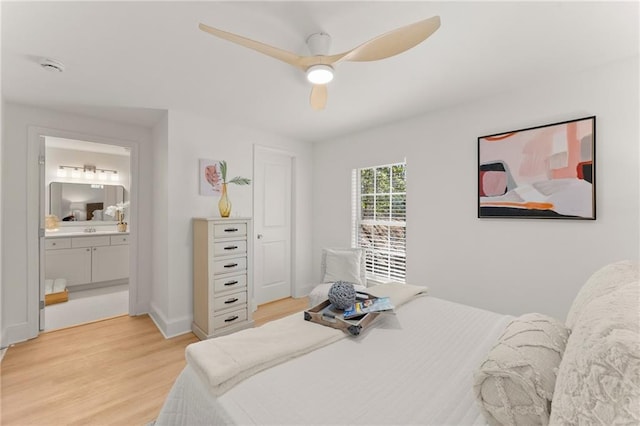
(514, 385)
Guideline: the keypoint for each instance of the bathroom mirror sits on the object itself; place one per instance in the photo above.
(73, 202)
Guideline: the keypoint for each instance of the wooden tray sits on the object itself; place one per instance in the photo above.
(51, 298)
(333, 318)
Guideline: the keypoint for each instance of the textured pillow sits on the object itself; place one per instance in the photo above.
(599, 377)
(343, 265)
(514, 385)
(603, 281)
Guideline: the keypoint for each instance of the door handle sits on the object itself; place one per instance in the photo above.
(259, 236)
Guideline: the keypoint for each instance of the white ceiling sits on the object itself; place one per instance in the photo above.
(130, 61)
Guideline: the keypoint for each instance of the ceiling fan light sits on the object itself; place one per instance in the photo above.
(320, 74)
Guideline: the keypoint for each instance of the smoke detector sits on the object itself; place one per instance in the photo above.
(52, 65)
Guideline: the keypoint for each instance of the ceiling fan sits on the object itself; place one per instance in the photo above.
(319, 67)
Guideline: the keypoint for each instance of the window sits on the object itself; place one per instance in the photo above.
(379, 219)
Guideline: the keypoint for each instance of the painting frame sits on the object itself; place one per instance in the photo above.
(210, 177)
(541, 172)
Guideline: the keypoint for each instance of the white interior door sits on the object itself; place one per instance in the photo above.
(272, 224)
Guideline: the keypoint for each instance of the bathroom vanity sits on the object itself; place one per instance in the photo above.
(84, 258)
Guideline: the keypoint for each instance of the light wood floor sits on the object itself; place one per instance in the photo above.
(113, 372)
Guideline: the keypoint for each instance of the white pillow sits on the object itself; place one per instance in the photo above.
(599, 377)
(605, 280)
(515, 384)
(343, 265)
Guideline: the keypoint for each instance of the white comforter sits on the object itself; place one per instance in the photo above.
(414, 367)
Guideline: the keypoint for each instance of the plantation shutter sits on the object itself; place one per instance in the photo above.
(379, 219)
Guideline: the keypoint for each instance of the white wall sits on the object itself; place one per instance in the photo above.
(190, 138)
(2, 139)
(17, 200)
(510, 266)
(159, 296)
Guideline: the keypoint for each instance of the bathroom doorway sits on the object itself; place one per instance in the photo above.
(84, 267)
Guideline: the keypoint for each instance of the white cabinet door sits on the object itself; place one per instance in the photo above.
(110, 263)
(72, 264)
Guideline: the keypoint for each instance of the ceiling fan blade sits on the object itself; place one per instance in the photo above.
(391, 43)
(318, 98)
(274, 52)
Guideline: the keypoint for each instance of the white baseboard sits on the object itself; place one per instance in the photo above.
(91, 286)
(169, 328)
(17, 333)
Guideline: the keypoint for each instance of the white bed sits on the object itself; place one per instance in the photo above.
(412, 368)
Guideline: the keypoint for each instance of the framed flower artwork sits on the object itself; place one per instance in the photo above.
(210, 177)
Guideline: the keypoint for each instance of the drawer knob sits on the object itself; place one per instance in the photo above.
(231, 247)
(232, 318)
(230, 265)
(232, 300)
(231, 283)
(231, 230)
(53, 244)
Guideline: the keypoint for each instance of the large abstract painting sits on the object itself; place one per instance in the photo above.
(540, 172)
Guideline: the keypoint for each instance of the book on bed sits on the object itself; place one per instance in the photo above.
(363, 307)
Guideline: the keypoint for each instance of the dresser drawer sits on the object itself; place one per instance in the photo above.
(229, 283)
(57, 243)
(118, 240)
(234, 300)
(90, 241)
(230, 265)
(229, 230)
(229, 318)
(230, 247)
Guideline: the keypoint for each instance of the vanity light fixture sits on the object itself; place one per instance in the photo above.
(88, 172)
(75, 173)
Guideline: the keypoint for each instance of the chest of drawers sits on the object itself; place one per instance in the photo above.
(222, 276)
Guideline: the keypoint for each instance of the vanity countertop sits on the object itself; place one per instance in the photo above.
(82, 234)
